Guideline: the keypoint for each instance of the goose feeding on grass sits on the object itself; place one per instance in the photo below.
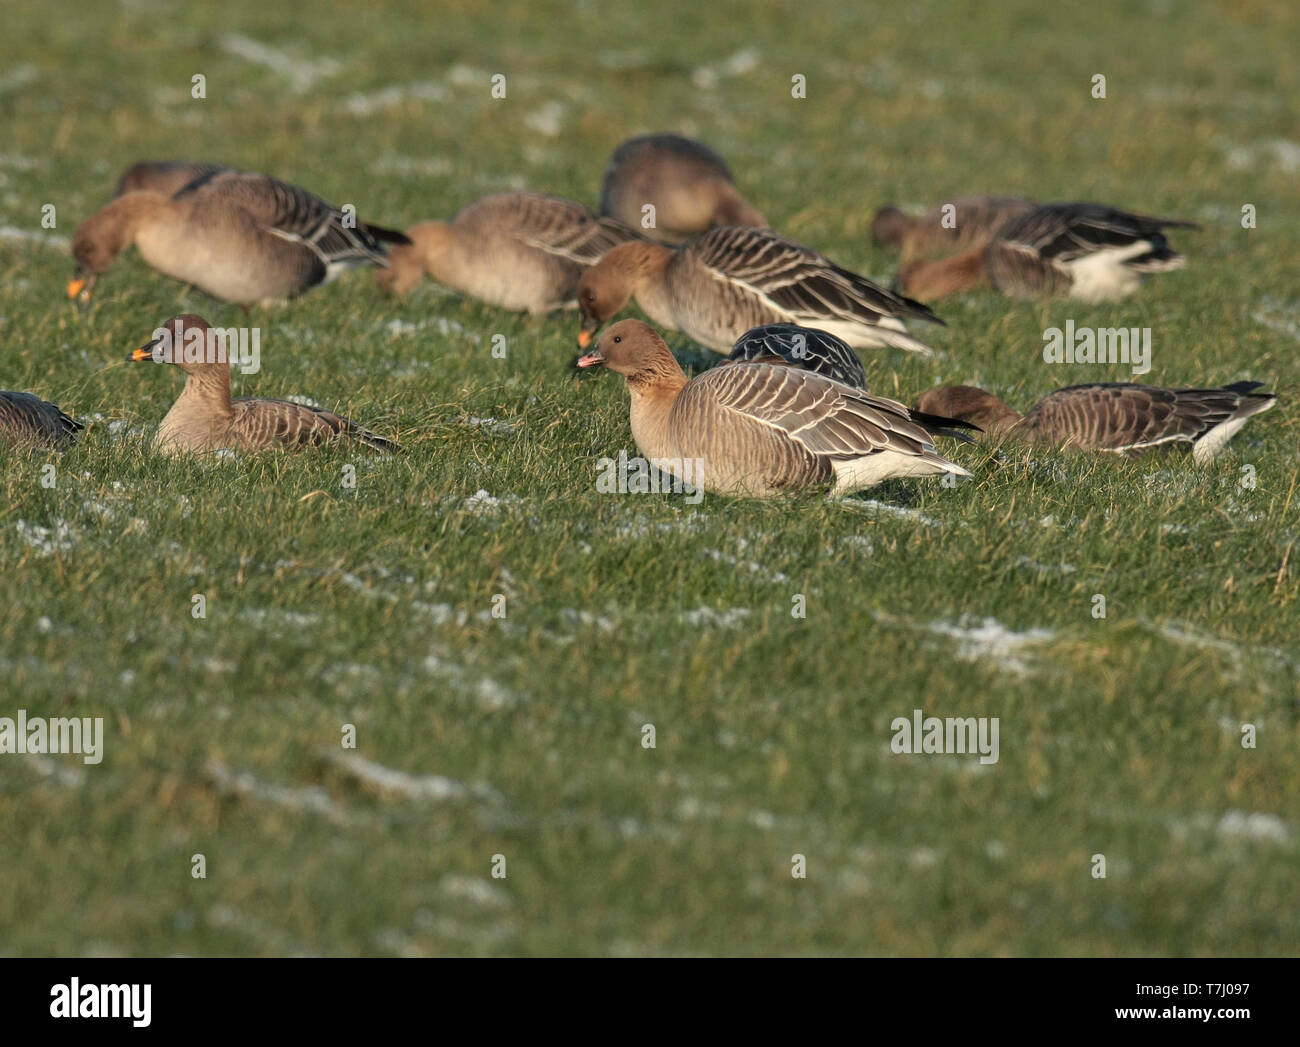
(1111, 416)
(727, 281)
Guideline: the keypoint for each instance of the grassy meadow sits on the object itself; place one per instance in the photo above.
(521, 736)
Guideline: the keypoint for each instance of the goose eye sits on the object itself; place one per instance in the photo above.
(618, 338)
(591, 296)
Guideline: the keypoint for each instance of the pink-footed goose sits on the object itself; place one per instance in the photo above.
(520, 251)
(242, 238)
(757, 429)
(26, 418)
(972, 222)
(1088, 252)
(1111, 416)
(163, 176)
(689, 186)
(724, 282)
(205, 417)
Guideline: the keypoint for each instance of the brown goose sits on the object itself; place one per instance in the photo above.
(242, 238)
(1088, 252)
(513, 250)
(26, 418)
(162, 176)
(974, 221)
(205, 418)
(687, 183)
(758, 429)
(724, 282)
(1111, 416)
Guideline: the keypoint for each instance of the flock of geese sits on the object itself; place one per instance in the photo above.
(788, 408)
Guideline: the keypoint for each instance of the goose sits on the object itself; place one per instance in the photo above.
(1111, 416)
(687, 183)
(805, 347)
(1088, 252)
(788, 345)
(26, 418)
(242, 238)
(758, 429)
(205, 418)
(520, 251)
(722, 283)
(973, 222)
(163, 176)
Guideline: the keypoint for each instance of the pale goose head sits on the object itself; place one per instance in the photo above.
(105, 235)
(969, 403)
(186, 341)
(635, 350)
(608, 285)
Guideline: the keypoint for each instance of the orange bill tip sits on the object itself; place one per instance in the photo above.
(75, 287)
(584, 339)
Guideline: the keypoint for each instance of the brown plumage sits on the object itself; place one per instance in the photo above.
(513, 250)
(1111, 416)
(1088, 252)
(727, 281)
(758, 429)
(205, 418)
(162, 176)
(974, 221)
(242, 238)
(687, 183)
(27, 418)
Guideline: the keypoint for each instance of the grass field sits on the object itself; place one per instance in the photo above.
(479, 736)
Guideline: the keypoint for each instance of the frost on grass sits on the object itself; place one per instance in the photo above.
(1278, 316)
(548, 120)
(59, 538)
(899, 512)
(372, 102)
(707, 617)
(481, 503)
(988, 639)
(300, 73)
(32, 236)
(409, 786)
(740, 63)
(495, 426)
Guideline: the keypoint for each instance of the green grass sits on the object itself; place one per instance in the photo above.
(372, 607)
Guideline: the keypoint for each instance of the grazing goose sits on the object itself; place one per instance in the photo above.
(1088, 252)
(205, 418)
(26, 418)
(1111, 416)
(243, 238)
(688, 184)
(162, 176)
(513, 250)
(758, 429)
(975, 221)
(724, 282)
